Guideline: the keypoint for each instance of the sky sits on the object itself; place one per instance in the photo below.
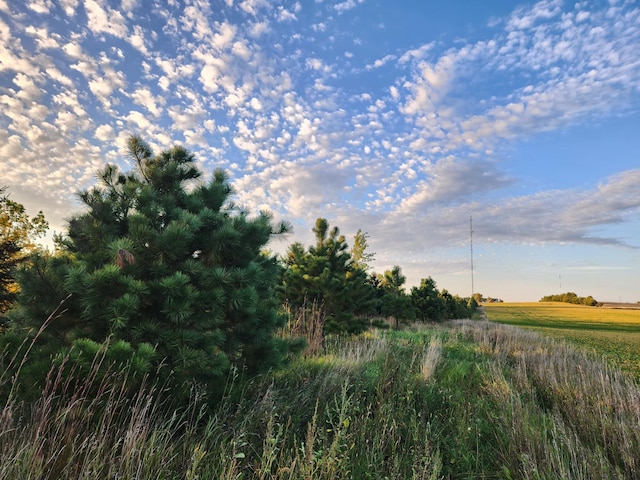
(418, 122)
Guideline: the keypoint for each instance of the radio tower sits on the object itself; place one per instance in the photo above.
(471, 238)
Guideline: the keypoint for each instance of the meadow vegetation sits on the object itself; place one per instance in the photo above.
(465, 399)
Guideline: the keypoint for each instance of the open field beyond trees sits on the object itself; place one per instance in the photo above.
(603, 331)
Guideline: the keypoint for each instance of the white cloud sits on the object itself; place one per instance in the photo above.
(380, 62)
(59, 77)
(416, 53)
(103, 19)
(69, 7)
(104, 133)
(138, 41)
(524, 18)
(130, 5)
(285, 15)
(224, 38)
(348, 5)
(74, 50)
(44, 39)
(241, 50)
(253, 7)
(40, 6)
(257, 29)
(144, 97)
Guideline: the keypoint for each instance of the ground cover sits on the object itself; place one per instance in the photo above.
(613, 333)
(461, 400)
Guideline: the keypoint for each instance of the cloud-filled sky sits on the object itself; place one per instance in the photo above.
(403, 119)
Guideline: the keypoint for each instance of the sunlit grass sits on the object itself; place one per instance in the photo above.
(463, 400)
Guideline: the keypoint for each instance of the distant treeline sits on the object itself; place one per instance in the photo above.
(571, 297)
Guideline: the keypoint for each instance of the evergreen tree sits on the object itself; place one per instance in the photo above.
(164, 273)
(427, 301)
(325, 274)
(394, 301)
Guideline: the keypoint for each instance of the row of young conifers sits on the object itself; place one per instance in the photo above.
(162, 272)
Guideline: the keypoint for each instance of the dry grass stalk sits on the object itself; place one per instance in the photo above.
(307, 322)
(124, 258)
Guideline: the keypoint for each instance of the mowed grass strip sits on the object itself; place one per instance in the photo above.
(609, 332)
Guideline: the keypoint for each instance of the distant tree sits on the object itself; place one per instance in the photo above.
(472, 304)
(325, 274)
(17, 234)
(454, 306)
(590, 301)
(164, 273)
(571, 297)
(427, 302)
(394, 301)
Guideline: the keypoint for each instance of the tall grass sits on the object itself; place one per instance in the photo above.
(564, 415)
(306, 321)
(610, 332)
(462, 400)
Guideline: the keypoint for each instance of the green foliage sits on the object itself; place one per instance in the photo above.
(472, 304)
(17, 233)
(571, 297)
(326, 275)
(432, 305)
(392, 299)
(427, 302)
(163, 273)
(360, 257)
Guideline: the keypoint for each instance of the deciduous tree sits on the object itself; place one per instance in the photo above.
(17, 234)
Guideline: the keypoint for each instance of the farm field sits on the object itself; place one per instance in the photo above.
(613, 333)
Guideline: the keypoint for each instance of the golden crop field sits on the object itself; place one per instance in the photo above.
(612, 333)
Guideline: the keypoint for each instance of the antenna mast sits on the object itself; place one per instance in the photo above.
(471, 238)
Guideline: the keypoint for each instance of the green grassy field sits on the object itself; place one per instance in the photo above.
(610, 332)
(461, 400)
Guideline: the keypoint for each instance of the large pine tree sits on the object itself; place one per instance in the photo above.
(163, 273)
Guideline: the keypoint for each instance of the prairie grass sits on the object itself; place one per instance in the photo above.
(463, 400)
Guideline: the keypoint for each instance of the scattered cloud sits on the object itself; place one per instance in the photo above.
(312, 118)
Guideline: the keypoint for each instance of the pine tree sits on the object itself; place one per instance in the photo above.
(164, 274)
(427, 302)
(325, 274)
(394, 302)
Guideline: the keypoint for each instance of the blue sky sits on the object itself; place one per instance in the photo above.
(402, 119)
